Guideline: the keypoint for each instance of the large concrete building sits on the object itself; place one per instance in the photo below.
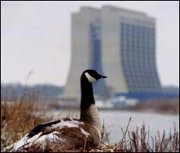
(119, 43)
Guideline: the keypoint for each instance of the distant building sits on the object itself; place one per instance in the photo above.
(119, 43)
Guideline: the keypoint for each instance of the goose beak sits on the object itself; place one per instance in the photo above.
(102, 76)
(99, 76)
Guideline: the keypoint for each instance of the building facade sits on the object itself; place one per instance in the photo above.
(119, 43)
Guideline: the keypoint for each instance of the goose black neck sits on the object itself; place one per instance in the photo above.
(87, 97)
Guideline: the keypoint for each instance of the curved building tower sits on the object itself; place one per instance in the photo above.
(129, 53)
(86, 46)
(121, 44)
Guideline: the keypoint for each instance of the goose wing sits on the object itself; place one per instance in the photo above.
(64, 133)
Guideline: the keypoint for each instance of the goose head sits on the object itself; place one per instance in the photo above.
(92, 76)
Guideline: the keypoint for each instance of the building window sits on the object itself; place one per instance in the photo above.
(137, 54)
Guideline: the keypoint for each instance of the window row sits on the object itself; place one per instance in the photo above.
(133, 49)
(142, 83)
(137, 33)
(137, 40)
(132, 27)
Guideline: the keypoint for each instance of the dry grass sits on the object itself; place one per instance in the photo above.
(139, 141)
(169, 106)
(18, 118)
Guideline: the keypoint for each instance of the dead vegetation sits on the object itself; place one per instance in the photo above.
(141, 141)
(168, 106)
(18, 118)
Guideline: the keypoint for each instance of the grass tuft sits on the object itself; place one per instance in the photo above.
(18, 118)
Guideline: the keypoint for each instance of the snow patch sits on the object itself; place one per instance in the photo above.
(84, 132)
(25, 141)
(50, 137)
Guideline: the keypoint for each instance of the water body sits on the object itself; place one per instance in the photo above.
(117, 120)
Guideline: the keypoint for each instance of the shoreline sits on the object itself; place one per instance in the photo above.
(119, 109)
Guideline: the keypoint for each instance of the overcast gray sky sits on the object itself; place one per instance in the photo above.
(35, 38)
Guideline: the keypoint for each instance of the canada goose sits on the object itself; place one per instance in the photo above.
(67, 132)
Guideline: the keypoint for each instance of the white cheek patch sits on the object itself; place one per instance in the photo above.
(90, 78)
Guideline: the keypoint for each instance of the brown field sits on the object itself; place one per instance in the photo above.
(168, 106)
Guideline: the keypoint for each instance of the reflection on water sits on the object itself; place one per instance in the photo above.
(115, 120)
